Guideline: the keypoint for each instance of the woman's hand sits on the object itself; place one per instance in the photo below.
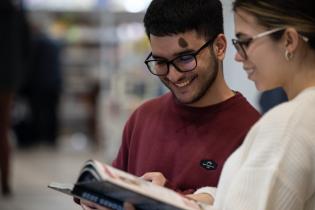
(202, 197)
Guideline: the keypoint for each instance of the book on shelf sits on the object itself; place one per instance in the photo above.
(109, 187)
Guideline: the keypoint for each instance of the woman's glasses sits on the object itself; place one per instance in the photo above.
(242, 44)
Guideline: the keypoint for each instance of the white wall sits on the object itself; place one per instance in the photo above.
(234, 73)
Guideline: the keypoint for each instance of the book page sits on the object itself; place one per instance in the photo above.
(146, 188)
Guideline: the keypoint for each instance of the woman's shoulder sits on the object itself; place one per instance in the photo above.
(289, 119)
(299, 108)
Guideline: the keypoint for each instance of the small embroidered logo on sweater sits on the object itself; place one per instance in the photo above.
(208, 164)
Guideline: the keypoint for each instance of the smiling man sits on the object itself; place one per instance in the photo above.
(192, 74)
(185, 135)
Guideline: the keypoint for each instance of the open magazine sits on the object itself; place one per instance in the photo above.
(107, 186)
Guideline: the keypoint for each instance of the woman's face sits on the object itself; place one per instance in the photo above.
(265, 62)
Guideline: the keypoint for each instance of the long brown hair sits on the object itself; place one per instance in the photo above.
(282, 13)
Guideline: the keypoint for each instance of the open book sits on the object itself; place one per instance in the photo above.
(109, 187)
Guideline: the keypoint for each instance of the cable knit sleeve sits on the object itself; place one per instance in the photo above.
(274, 168)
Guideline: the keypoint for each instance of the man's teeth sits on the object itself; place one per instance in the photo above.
(183, 84)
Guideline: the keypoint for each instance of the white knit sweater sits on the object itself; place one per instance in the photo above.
(274, 169)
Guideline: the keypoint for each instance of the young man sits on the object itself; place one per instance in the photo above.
(185, 135)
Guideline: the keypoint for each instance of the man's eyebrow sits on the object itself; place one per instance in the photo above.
(183, 52)
(158, 57)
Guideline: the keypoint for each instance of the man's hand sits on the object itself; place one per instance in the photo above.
(155, 177)
(202, 197)
(86, 205)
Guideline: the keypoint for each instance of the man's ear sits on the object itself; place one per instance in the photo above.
(291, 39)
(219, 46)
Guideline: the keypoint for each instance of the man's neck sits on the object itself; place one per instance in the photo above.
(218, 92)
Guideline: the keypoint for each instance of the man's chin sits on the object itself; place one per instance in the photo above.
(186, 97)
(184, 100)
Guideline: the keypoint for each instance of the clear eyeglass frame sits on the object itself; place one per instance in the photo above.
(242, 44)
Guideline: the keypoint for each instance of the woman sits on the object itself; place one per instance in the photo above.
(275, 168)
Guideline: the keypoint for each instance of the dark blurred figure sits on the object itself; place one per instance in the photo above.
(41, 91)
(14, 51)
(271, 98)
(92, 99)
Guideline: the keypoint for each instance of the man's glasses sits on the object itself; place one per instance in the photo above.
(182, 63)
(242, 44)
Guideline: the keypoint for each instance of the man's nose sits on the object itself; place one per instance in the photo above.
(173, 74)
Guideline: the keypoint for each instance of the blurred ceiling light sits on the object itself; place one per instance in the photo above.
(56, 5)
(132, 6)
(135, 6)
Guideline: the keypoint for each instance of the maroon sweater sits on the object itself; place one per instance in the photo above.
(188, 145)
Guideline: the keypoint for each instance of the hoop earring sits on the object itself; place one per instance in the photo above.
(288, 55)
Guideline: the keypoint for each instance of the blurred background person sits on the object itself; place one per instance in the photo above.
(13, 54)
(271, 98)
(41, 91)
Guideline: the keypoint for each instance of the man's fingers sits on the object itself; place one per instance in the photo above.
(129, 206)
(84, 207)
(149, 176)
(155, 177)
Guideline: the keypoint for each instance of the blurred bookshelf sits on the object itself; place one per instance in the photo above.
(104, 77)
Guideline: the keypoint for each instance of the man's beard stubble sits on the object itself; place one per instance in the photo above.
(214, 69)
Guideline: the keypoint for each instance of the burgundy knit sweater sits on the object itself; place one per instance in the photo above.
(188, 145)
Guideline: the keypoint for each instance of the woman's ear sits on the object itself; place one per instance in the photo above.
(219, 46)
(291, 39)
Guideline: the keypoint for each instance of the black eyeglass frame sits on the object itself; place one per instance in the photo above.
(168, 63)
